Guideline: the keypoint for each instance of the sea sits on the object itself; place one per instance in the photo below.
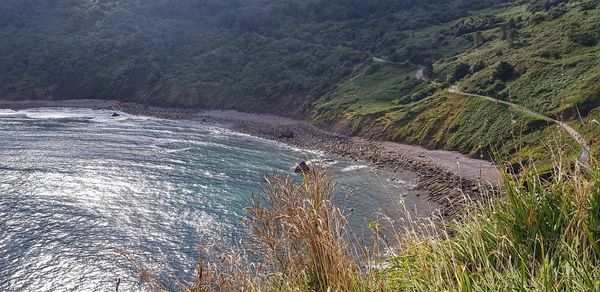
(88, 198)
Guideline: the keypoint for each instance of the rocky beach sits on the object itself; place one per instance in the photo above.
(450, 178)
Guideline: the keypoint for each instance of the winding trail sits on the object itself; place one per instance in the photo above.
(379, 60)
(584, 158)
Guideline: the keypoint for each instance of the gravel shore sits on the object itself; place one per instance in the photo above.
(451, 179)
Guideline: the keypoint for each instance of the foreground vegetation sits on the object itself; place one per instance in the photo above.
(542, 235)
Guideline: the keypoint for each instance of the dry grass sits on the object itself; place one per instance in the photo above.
(300, 234)
(543, 234)
(298, 241)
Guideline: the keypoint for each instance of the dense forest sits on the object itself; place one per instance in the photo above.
(347, 64)
(205, 52)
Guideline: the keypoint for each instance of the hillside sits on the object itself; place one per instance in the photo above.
(545, 59)
(345, 64)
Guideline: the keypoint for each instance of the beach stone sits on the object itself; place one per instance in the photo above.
(302, 168)
(287, 134)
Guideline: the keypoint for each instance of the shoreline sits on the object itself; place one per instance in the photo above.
(450, 178)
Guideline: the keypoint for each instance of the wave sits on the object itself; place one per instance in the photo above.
(353, 168)
(322, 162)
(178, 150)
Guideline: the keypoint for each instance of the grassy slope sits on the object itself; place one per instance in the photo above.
(543, 236)
(555, 87)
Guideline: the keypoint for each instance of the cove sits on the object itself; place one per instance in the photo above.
(77, 185)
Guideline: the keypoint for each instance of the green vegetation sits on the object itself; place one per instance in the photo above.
(541, 55)
(543, 236)
(347, 63)
(251, 55)
(397, 69)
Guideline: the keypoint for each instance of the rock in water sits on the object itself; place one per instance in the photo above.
(302, 168)
(116, 115)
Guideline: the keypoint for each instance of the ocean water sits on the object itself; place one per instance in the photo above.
(78, 187)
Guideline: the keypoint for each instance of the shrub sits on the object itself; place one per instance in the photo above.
(460, 71)
(480, 65)
(589, 5)
(475, 24)
(373, 68)
(547, 54)
(504, 71)
(538, 18)
(300, 233)
(582, 37)
(397, 57)
(299, 241)
(539, 5)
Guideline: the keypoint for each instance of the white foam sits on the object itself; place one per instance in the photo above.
(58, 113)
(353, 168)
(322, 162)
(178, 150)
(224, 131)
(8, 112)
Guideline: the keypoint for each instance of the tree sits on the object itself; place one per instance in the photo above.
(460, 72)
(504, 71)
(479, 39)
(397, 57)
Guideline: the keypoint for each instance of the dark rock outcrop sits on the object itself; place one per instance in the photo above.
(302, 168)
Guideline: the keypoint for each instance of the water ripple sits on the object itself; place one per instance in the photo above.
(78, 185)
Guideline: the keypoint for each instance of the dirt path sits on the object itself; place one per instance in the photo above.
(584, 158)
(379, 60)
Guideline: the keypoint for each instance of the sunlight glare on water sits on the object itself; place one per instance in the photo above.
(77, 185)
